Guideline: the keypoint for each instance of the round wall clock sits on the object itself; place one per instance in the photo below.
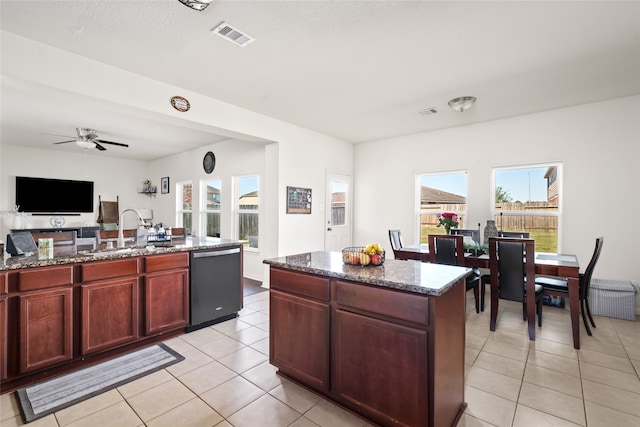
(209, 162)
(57, 221)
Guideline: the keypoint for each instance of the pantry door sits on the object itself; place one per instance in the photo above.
(338, 212)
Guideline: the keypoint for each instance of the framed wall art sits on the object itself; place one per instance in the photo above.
(164, 185)
(298, 200)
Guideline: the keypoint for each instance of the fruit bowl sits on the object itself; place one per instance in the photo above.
(355, 255)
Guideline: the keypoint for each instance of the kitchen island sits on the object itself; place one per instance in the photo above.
(385, 342)
(71, 308)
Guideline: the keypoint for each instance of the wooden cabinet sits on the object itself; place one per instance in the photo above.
(3, 338)
(299, 327)
(110, 304)
(109, 314)
(166, 301)
(394, 357)
(46, 329)
(166, 292)
(381, 368)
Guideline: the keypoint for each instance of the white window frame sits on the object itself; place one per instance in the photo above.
(419, 209)
(560, 178)
(203, 203)
(179, 187)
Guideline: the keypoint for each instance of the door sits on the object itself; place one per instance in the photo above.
(338, 231)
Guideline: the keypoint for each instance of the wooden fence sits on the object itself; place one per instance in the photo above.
(531, 222)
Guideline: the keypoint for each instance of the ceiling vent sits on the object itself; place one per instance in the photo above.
(428, 111)
(233, 34)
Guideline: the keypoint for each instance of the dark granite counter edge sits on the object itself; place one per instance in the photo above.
(31, 262)
(364, 279)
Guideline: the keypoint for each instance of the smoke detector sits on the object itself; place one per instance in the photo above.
(198, 5)
(233, 34)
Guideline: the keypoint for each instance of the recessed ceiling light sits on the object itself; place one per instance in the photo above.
(199, 5)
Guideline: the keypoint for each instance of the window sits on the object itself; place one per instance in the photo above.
(438, 193)
(527, 199)
(184, 204)
(211, 207)
(247, 209)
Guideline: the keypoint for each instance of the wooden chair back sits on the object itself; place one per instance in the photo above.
(512, 264)
(103, 237)
(514, 234)
(395, 237)
(59, 237)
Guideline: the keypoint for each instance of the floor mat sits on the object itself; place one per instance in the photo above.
(47, 397)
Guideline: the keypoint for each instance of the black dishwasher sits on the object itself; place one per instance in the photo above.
(216, 286)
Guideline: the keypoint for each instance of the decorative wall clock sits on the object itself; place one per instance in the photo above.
(209, 162)
(181, 104)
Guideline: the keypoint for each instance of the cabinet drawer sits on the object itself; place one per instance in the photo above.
(166, 262)
(385, 302)
(109, 269)
(47, 277)
(300, 283)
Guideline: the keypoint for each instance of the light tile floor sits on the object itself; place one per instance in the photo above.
(226, 379)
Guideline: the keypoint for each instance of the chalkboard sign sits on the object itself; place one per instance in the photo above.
(298, 200)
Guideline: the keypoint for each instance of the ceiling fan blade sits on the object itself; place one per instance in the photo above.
(98, 146)
(64, 142)
(109, 142)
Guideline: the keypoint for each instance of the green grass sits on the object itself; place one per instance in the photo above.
(546, 241)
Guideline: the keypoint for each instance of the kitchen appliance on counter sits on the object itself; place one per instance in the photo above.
(216, 286)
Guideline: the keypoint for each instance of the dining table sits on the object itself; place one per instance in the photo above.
(548, 264)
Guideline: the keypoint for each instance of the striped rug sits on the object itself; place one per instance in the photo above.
(53, 395)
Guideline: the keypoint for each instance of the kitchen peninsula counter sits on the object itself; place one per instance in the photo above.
(69, 255)
(386, 342)
(75, 308)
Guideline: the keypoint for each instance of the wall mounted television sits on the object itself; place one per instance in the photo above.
(50, 196)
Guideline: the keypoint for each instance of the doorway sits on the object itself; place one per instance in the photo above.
(338, 213)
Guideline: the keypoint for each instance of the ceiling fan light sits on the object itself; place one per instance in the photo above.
(462, 103)
(84, 144)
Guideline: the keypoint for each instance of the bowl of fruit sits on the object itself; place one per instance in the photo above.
(365, 256)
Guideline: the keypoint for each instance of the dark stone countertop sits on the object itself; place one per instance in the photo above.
(411, 276)
(66, 255)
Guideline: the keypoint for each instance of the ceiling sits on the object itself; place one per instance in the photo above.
(355, 70)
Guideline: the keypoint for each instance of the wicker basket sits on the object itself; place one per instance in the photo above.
(354, 255)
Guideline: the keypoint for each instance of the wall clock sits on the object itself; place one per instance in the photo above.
(209, 162)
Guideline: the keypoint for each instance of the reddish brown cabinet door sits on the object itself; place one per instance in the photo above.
(46, 329)
(166, 301)
(109, 314)
(381, 368)
(299, 333)
(3, 338)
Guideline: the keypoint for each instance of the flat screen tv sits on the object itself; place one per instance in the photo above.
(45, 195)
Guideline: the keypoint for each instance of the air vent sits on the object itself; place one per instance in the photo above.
(428, 111)
(233, 34)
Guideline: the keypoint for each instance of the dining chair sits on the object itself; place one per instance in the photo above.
(514, 234)
(396, 241)
(105, 237)
(559, 287)
(449, 249)
(512, 265)
(474, 234)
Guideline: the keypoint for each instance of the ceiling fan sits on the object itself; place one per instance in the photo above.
(88, 138)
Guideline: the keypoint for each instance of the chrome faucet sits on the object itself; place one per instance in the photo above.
(120, 233)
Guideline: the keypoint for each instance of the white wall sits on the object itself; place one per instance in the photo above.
(112, 178)
(299, 158)
(598, 145)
